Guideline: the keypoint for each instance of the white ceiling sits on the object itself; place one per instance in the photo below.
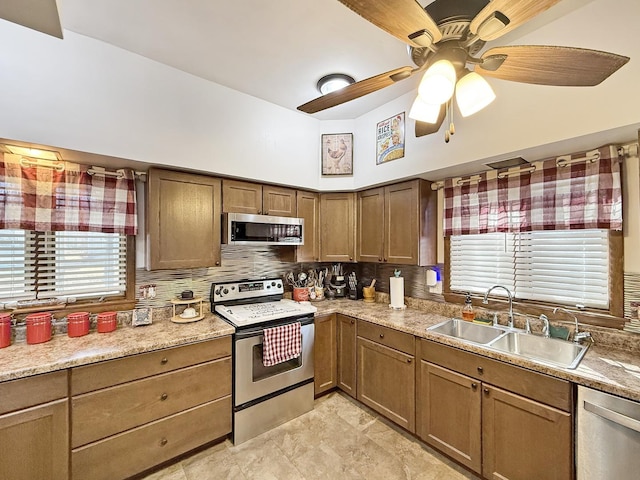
(275, 50)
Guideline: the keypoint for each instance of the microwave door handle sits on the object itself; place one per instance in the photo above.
(615, 417)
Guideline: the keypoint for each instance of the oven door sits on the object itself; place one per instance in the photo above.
(253, 380)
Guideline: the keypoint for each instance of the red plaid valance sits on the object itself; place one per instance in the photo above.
(44, 199)
(556, 194)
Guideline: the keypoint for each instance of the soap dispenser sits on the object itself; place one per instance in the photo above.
(467, 311)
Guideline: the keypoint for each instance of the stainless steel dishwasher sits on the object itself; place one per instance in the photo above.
(608, 437)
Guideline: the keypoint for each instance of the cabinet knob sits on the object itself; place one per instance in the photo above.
(480, 370)
(474, 386)
(164, 396)
(379, 259)
(259, 212)
(164, 361)
(353, 321)
(408, 360)
(350, 259)
(163, 442)
(382, 335)
(486, 391)
(384, 259)
(217, 264)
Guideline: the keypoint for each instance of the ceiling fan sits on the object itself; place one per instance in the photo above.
(443, 40)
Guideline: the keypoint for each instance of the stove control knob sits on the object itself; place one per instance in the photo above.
(273, 284)
(279, 285)
(217, 292)
(225, 291)
(233, 288)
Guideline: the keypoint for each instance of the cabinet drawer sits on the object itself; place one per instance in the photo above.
(106, 412)
(537, 386)
(30, 391)
(112, 372)
(387, 336)
(139, 449)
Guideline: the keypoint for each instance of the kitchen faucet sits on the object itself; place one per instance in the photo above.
(486, 301)
(577, 336)
(545, 329)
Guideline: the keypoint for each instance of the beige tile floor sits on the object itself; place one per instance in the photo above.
(339, 439)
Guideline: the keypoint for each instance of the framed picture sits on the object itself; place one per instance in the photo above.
(390, 139)
(337, 154)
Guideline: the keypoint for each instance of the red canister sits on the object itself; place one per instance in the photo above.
(5, 330)
(38, 327)
(107, 322)
(78, 324)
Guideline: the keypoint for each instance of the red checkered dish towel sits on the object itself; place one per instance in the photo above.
(281, 344)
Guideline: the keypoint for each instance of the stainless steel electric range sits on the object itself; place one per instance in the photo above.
(265, 397)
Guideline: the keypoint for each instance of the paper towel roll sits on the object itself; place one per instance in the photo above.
(396, 289)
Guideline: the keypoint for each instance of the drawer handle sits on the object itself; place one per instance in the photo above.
(164, 361)
(382, 335)
(164, 396)
(163, 442)
(474, 386)
(486, 391)
(480, 370)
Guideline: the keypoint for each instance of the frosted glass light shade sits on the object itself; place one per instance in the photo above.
(423, 111)
(438, 83)
(473, 93)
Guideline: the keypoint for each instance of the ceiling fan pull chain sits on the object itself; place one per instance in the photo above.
(452, 128)
(447, 135)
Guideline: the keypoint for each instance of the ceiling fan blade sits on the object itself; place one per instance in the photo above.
(424, 128)
(356, 90)
(551, 65)
(517, 11)
(400, 18)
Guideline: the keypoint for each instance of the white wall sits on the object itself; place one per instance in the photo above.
(86, 95)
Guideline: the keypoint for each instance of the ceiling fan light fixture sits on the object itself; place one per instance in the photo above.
(334, 81)
(438, 83)
(473, 93)
(423, 111)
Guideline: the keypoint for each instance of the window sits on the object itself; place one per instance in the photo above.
(43, 265)
(566, 267)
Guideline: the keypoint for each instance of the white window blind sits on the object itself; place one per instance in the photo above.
(566, 267)
(40, 265)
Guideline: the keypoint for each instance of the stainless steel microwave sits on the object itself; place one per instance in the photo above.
(248, 229)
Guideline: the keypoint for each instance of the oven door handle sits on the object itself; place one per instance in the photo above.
(254, 332)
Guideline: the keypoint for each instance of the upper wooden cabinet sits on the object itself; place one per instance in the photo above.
(337, 222)
(308, 208)
(246, 197)
(397, 224)
(183, 220)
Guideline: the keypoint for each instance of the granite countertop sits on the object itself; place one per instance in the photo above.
(22, 360)
(605, 366)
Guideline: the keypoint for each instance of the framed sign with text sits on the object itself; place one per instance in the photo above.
(390, 139)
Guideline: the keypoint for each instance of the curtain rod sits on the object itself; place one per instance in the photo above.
(60, 166)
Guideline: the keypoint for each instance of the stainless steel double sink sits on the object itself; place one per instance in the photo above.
(546, 351)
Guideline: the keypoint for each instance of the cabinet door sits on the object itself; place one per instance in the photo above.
(370, 234)
(337, 227)
(325, 356)
(35, 443)
(278, 201)
(241, 197)
(347, 354)
(183, 220)
(401, 223)
(386, 382)
(448, 414)
(308, 208)
(524, 439)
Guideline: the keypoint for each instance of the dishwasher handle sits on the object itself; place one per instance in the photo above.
(612, 416)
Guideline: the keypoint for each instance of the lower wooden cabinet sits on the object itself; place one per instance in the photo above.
(386, 372)
(34, 436)
(346, 377)
(130, 414)
(325, 356)
(465, 410)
